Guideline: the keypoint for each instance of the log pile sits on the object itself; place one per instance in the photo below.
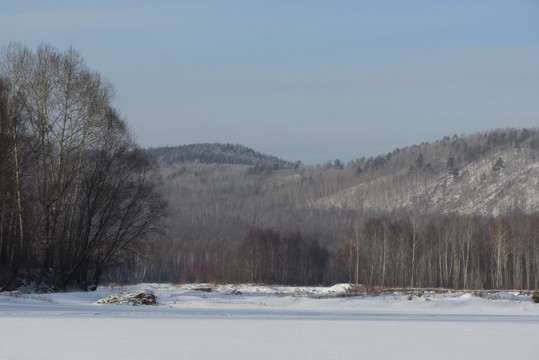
(136, 298)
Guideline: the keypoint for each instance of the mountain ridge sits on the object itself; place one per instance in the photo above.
(484, 173)
(216, 153)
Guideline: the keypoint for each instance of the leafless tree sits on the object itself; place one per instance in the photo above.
(62, 124)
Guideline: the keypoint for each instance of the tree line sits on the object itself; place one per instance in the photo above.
(457, 252)
(77, 195)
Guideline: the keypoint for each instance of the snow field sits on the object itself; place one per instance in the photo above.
(267, 323)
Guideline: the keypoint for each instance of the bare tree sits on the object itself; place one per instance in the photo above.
(13, 247)
(68, 130)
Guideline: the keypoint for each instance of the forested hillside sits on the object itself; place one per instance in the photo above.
(217, 154)
(459, 212)
(481, 174)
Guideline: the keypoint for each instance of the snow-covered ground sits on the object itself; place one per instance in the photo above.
(257, 322)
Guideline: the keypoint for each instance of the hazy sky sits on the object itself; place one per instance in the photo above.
(302, 80)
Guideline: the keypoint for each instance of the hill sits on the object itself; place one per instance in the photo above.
(225, 189)
(222, 154)
(480, 174)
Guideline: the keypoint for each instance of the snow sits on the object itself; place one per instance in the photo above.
(479, 189)
(202, 321)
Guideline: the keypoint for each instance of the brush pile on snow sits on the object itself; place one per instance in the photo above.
(535, 297)
(136, 298)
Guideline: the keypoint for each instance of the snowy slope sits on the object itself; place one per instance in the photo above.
(478, 189)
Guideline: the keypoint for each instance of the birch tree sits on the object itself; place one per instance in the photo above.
(72, 133)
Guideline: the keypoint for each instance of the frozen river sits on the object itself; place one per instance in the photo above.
(252, 322)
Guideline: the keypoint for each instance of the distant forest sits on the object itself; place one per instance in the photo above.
(365, 222)
(455, 252)
(218, 154)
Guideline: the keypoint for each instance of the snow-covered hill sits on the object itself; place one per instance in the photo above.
(485, 173)
(480, 188)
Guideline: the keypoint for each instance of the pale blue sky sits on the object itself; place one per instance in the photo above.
(302, 80)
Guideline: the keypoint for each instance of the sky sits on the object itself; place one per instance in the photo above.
(308, 81)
